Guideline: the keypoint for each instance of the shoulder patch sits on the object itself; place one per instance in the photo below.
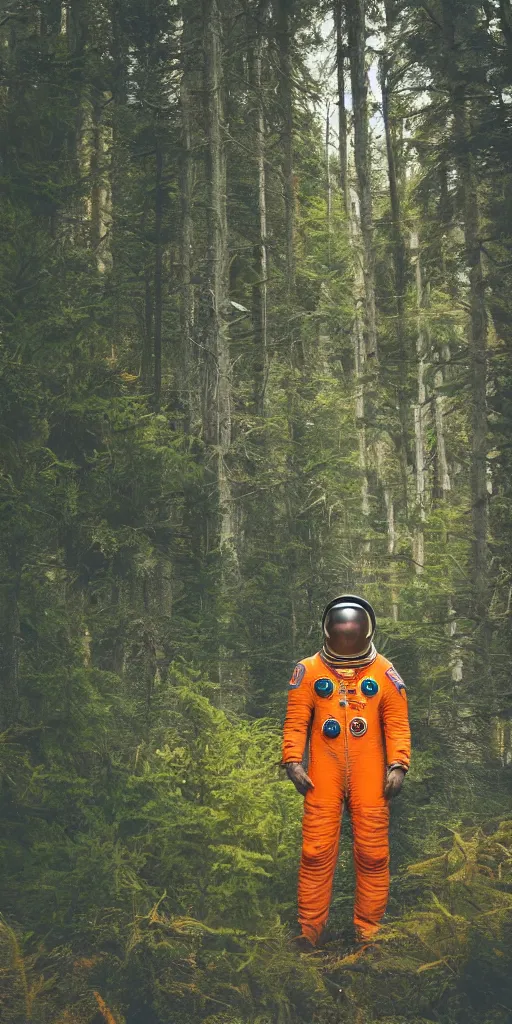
(396, 679)
(297, 677)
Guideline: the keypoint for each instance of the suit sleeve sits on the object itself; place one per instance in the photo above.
(298, 715)
(395, 719)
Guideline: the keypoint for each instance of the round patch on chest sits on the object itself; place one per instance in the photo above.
(331, 728)
(369, 687)
(358, 726)
(324, 687)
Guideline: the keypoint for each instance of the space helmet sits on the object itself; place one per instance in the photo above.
(358, 616)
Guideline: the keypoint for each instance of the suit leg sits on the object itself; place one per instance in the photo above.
(321, 827)
(370, 827)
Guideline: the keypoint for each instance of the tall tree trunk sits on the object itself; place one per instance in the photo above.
(442, 482)
(382, 472)
(469, 207)
(359, 358)
(283, 9)
(506, 21)
(399, 263)
(118, 167)
(328, 181)
(478, 374)
(357, 43)
(77, 32)
(97, 206)
(159, 199)
(216, 365)
(420, 408)
(259, 296)
(352, 209)
(342, 110)
(146, 356)
(186, 360)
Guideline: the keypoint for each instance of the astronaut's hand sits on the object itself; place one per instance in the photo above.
(394, 782)
(301, 780)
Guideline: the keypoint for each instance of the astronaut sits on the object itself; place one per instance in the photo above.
(351, 704)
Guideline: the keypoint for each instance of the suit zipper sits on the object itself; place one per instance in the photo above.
(347, 758)
(342, 696)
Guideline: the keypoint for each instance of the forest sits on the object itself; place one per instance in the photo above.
(255, 352)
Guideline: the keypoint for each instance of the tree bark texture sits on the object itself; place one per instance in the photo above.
(380, 458)
(420, 410)
(399, 265)
(146, 356)
(341, 54)
(356, 24)
(359, 355)
(282, 13)
(442, 483)
(477, 361)
(328, 181)
(94, 171)
(157, 336)
(186, 359)
(77, 33)
(216, 357)
(260, 251)
(98, 193)
(118, 162)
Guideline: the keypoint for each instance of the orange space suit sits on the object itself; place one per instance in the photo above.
(357, 723)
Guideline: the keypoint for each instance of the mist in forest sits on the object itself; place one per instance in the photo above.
(255, 353)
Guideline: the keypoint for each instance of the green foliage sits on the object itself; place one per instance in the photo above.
(149, 846)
